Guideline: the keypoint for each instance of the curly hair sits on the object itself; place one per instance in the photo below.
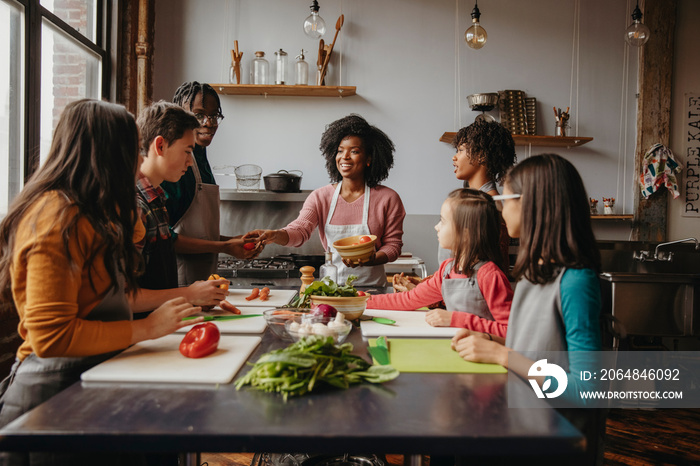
(489, 144)
(377, 145)
(185, 94)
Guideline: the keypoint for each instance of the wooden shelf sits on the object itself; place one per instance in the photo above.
(612, 217)
(544, 141)
(284, 90)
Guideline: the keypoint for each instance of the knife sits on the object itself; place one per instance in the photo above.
(380, 352)
(208, 318)
(379, 320)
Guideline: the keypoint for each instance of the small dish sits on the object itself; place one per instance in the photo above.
(304, 326)
(276, 318)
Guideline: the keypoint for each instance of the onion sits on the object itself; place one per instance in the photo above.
(324, 310)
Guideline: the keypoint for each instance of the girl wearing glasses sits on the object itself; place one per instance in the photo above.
(475, 290)
(193, 201)
(557, 301)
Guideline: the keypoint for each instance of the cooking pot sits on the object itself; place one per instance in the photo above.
(283, 181)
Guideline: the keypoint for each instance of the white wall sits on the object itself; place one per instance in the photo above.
(413, 72)
(686, 79)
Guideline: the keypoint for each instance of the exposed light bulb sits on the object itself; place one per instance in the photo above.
(475, 36)
(637, 34)
(314, 25)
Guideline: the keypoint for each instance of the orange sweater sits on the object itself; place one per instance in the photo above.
(52, 297)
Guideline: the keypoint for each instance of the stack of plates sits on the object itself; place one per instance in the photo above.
(511, 106)
(531, 115)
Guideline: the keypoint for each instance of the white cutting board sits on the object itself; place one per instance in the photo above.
(160, 361)
(408, 324)
(277, 298)
(247, 325)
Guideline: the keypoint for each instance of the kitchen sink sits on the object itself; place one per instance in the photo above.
(650, 292)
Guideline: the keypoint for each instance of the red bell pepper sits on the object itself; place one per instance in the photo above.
(202, 340)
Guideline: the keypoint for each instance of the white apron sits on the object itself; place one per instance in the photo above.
(366, 276)
(201, 221)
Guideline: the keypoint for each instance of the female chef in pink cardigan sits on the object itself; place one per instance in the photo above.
(358, 157)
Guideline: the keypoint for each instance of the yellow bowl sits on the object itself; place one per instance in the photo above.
(351, 249)
(352, 307)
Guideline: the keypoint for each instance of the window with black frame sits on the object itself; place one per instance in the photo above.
(52, 52)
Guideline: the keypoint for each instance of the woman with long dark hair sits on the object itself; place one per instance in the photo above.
(67, 255)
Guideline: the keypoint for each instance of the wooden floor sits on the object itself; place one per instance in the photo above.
(633, 438)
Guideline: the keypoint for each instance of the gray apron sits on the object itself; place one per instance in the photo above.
(35, 380)
(536, 322)
(366, 275)
(201, 221)
(464, 295)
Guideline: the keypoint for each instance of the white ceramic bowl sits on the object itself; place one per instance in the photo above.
(352, 307)
(352, 249)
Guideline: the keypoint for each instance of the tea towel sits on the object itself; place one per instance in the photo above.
(659, 169)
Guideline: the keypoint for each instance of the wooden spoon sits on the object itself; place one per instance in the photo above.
(338, 25)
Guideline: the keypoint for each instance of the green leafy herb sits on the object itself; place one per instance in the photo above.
(325, 287)
(315, 360)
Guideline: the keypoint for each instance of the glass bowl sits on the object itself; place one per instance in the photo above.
(307, 325)
(276, 318)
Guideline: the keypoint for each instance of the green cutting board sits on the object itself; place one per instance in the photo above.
(432, 355)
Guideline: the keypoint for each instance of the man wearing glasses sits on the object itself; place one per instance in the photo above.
(193, 201)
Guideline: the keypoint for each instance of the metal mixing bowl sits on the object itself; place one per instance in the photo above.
(482, 102)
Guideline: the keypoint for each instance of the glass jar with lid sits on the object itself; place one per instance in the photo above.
(301, 69)
(281, 68)
(260, 69)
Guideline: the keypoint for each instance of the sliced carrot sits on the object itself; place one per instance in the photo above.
(226, 306)
(264, 294)
(253, 294)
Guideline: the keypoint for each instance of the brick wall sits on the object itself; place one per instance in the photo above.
(69, 65)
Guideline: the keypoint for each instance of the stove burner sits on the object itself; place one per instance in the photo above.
(258, 268)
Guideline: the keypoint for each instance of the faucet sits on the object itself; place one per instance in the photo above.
(669, 256)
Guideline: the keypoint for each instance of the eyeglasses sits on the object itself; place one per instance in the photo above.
(213, 119)
(504, 197)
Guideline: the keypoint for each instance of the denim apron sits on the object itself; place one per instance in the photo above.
(366, 276)
(464, 295)
(201, 221)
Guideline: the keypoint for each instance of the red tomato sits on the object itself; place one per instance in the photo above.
(202, 340)
(365, 239)
(361, 293)
(249, 246)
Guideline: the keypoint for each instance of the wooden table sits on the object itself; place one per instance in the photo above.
(446, 414)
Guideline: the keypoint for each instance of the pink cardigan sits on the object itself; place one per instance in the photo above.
(493, 284)
(386, 214)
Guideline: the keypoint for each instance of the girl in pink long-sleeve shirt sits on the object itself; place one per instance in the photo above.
(476, 292)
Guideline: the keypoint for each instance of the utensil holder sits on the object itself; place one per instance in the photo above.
(561, 129)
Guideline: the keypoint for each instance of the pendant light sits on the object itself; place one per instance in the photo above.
(637, 34)
(314, 25)
(475, 36)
